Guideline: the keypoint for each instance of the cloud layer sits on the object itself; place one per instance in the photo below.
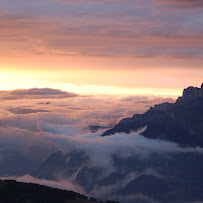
(33, 129)
(52, 122)
(88, 28)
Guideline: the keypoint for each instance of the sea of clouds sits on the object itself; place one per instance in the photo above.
(36, 123)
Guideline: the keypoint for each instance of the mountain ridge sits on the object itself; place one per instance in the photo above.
(13, 191)
(180, 122)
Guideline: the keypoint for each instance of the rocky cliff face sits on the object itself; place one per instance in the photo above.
(201, 91)
(191, 93)
(180, 122)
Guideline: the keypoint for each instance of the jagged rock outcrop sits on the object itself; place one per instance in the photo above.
(180, 122)
(201, 90)
(191, 93)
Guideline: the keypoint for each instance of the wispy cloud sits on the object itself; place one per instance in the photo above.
(90, 30)
(183, 3)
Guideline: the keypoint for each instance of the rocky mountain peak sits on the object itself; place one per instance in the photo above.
(191, 93)
(201, 90)
(179, 122)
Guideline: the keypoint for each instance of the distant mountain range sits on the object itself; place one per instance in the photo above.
(158, 178)
(180, 122)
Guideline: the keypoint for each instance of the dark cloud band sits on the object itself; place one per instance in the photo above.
(35, 93)
(183, 3)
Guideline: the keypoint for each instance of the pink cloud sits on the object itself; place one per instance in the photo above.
(183, 3)
(141, 39)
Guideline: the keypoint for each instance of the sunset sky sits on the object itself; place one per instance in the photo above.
(102, 47)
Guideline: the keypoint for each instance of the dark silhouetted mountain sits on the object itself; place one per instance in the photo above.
(66, 164)
(146, 184)
(180, 122)
(74, 164)
(161, 177)
(161, 189)
(12, 191)
(88, 176)
(109, 201)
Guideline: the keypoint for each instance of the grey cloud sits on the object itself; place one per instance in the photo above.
(26, 111)
(59, 129)
(183, 3)
(170, 53)
(72, 111)
(38, 91)
(21, 151)
(100, 149)
(134, 98)
(35, 93)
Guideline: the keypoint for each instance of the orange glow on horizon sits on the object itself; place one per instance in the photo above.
(26, 80)
(104, 49)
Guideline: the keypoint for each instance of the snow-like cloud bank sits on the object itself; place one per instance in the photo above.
(33, 129)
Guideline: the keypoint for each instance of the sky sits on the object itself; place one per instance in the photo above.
(102, 47)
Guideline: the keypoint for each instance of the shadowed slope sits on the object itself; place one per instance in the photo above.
(181, 122)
